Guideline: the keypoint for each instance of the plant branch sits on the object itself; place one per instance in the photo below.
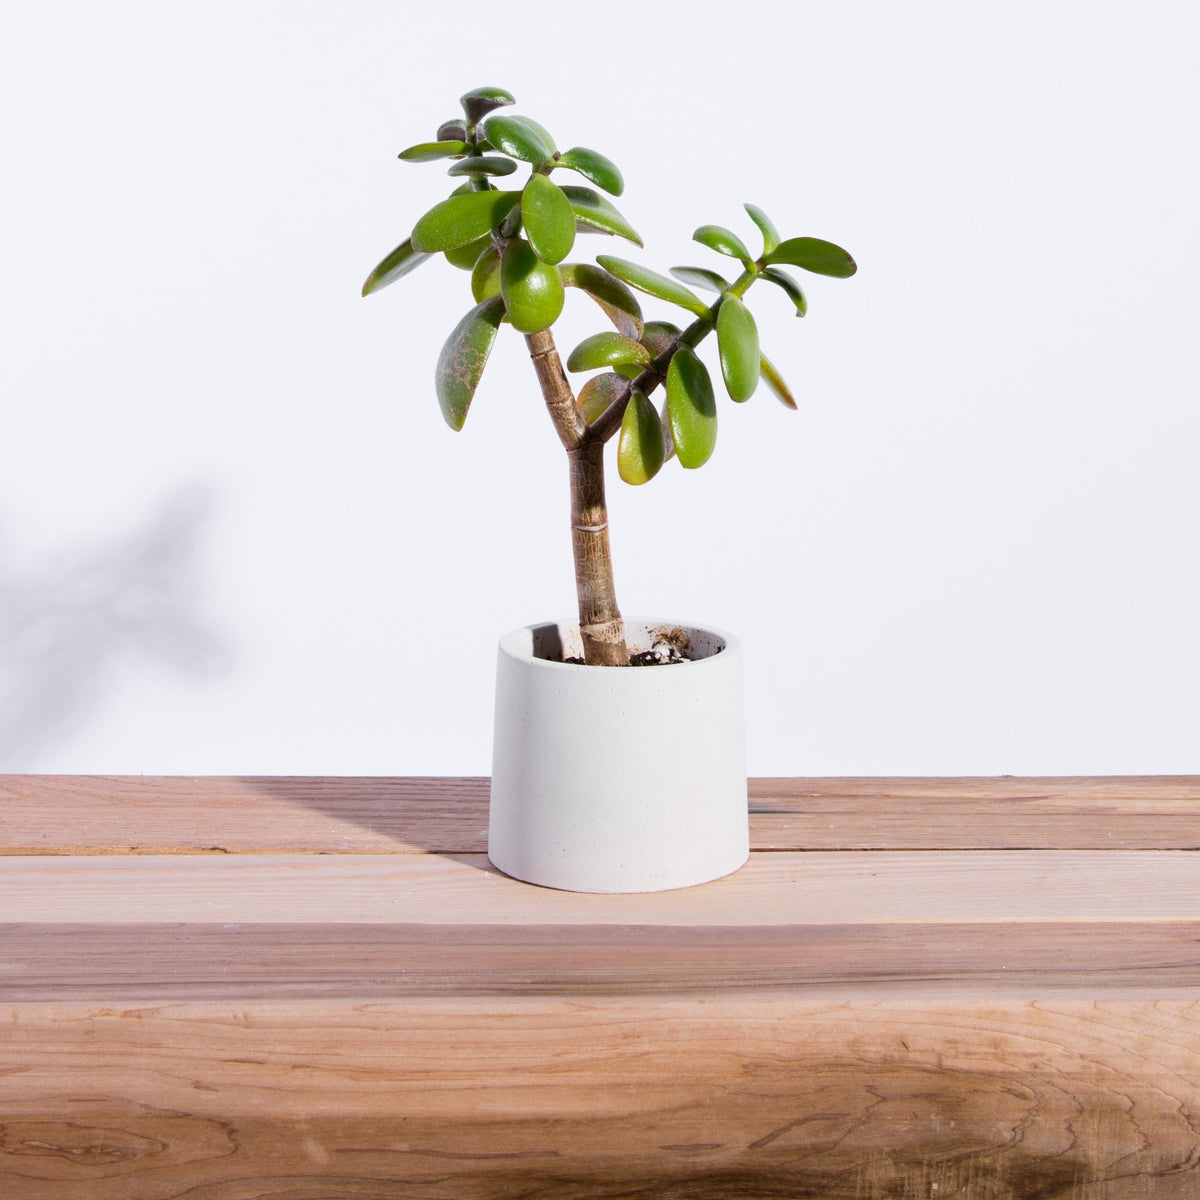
(569, 422)
(610, 419)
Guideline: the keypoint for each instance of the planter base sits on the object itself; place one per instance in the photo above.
(618, 779)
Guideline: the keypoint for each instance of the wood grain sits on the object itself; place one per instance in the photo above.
(80, 814)
(162, 815)
(811, 888)
(1085, 813)
(715, 1098)
(157, 963)
(299, 989)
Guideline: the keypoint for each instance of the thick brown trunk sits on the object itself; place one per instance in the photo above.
(599, 618)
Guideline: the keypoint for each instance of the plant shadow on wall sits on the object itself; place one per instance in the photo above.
(71, 624)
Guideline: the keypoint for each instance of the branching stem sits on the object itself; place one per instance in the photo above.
(609, 421)
(568, 420)
(600, 623)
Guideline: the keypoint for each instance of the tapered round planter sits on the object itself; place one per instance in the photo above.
(618, 779)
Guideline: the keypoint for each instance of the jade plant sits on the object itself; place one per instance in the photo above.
(515, 242)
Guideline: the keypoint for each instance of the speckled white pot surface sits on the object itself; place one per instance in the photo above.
(618, 779)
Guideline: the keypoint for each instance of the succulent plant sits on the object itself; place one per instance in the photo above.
(515, 242)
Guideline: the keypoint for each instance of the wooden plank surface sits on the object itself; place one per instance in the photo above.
(803, 888)
(166, 815)
(145, 928)
(298, 989)
(138, 965)
(700, 1099)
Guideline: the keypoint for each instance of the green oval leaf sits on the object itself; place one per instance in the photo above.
(640, 448)
(789, 285)
(483, 164)
(737, 341)
(465, 257)
(702, 278)
(401, 260)
(722, 240)
(813, 254)
(668, 440)
(658, 336)
(462, 219)
(591, 165)
(776, 383)
(595, 213)
(618, 302)
(485, 276)
(428, 151)
(607, 350)
(599, 392)
(653, 284)
(548, 219)
(463, 357)
(769, 233)
(480, 101)
(532, 289)
(691, 408)
(521, 138)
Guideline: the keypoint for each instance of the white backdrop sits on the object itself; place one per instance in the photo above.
(236, 537)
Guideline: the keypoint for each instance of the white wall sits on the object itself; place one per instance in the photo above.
(235, 536)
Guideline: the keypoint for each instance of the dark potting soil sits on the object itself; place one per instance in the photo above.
(645, 658)
(670, 646)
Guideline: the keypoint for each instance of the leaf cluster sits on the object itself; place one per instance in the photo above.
(515, 242)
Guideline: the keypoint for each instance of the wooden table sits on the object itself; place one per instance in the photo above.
(308, 989)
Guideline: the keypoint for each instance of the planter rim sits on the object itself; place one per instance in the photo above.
(515, 644)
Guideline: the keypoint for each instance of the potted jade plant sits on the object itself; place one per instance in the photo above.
(619, 752)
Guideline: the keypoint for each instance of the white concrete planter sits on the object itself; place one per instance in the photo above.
(618, 779)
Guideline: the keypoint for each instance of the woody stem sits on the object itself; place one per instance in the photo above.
(600, 623)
